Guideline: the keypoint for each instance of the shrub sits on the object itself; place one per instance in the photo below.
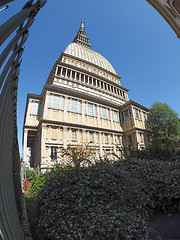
(39, 180)
(31, 174)
(107, 201)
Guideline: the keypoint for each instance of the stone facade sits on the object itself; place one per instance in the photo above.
(81, 102)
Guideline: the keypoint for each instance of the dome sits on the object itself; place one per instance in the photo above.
(87, 54)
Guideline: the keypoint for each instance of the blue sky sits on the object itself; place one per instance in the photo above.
(136, 40)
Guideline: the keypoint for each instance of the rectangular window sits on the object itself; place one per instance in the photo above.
(118, 140)
(95, 110)
(49, 100)
(91, 137)
(73, 135)
(74, 106)
(141, 137)
(53, 153)
(56, 102)
(127, 115)
(79, 106)
(62, 103)
(107, 154)
(104, 112)
(137, 113)
(145, 116)
(116, 116)
(34, 108)
(106, 138)
(90, 109)
(119, 154)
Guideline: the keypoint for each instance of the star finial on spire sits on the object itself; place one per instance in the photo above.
(81, 37)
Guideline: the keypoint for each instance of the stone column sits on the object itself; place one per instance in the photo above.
(43, 146)
(70, 73)
(45, 109)
(65, 109)
(83, 112)
(61, 71)
(95, 81)
(114, 143)
(111, 118)
(56, 70)
(98, 116)
(100, 144)
(84, 136)
(65, 137)
(25, 147)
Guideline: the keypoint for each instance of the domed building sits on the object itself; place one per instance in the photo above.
(81, 102)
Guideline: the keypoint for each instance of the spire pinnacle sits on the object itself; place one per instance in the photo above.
(81, 29)
(81, 37)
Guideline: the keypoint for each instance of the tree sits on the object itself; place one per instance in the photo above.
(79, 155)
(165, 126)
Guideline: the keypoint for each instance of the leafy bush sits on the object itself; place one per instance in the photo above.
(151, 152)
(31, 174)
(39, 180)
(107, 201)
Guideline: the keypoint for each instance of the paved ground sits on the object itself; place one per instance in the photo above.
(168, 228)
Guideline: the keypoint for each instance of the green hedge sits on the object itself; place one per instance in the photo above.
(38, 181)
(107, 201)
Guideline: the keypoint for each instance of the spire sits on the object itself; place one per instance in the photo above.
(81, 29)
(81, 37)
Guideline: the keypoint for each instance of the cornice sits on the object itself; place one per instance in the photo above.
(93, 88)
(33, 96)
(132, 103)
(136, 129)
(67, 124)
(84, 95)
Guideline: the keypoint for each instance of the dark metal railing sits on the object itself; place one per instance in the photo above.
(10, 185)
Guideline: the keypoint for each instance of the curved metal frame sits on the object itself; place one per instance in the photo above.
(10, 185)
(168, 12)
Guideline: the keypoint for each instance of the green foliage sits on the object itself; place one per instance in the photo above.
(151, 152)
(108, 201)
(31, 174)
(39, 180)
(165, 126)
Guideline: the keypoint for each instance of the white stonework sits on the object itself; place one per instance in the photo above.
(81, 102)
